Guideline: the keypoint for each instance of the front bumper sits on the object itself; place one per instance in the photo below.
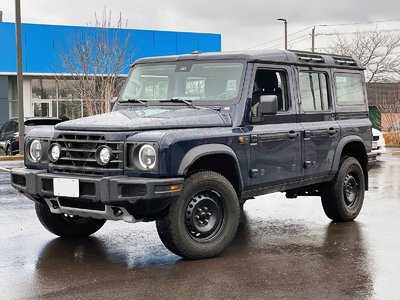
(115, 197)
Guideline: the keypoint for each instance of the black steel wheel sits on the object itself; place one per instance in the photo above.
(204, 219)
(342, 199)
(67, 226)
(205, 214)
(350, 186)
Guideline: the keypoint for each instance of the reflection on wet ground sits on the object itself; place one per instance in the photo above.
(286, 248)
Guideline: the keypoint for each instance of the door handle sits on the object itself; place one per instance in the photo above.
(292, 134)
(332, 131)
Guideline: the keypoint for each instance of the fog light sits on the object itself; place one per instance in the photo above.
(54, 152)
(103, 155)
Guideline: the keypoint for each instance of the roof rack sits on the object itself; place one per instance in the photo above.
(344, 60)
(317, 56)
(308, 56)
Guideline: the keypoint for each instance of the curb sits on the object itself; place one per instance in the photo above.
(11, 158)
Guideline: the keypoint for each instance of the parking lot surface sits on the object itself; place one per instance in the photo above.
(286, 248)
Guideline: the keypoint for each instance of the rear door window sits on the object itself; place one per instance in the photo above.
(313, 91)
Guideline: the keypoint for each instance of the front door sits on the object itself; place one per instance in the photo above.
(275, 141)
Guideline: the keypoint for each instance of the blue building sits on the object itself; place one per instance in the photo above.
(41, 48)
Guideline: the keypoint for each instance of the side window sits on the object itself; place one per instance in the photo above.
(349, 89)
(313, 91)
(270, 82)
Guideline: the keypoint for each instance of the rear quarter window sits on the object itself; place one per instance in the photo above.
(349, 89)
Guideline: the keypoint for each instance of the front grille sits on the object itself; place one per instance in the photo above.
(78, 154)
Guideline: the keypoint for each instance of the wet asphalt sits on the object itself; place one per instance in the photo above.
(285, 249)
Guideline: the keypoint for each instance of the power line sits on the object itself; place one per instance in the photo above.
(294, 41)
(326, 25)
(358, 23)
(278, 39)
(355, 32)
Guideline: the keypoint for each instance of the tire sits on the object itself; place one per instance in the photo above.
(67, 226)
(343, 197)
(204, 219)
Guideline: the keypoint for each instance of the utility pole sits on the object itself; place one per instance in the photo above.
(285, 24)
(21, 124)
(313, 39)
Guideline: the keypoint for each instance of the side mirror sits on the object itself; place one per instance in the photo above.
(112, 103)
(268, 105)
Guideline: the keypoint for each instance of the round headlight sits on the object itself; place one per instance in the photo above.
(35, 150)
(54, 152)
(103, 155)
(147, 157)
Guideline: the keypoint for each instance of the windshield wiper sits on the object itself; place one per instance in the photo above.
(180, 100)
(143, 102)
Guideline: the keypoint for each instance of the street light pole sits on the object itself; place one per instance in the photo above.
(285, 24)
(21, 124)
(313, 39)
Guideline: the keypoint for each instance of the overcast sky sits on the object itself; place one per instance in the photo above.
(243, 24)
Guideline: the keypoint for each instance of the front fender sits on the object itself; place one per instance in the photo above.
(209, 149)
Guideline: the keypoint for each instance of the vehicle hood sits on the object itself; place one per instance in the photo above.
(132, 119)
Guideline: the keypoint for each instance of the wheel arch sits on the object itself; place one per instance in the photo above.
(213, 157)
(352, 146)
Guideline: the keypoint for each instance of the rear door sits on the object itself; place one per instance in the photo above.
(320, 131)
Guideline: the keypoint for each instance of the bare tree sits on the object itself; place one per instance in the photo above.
(378, 51)
(95, 60)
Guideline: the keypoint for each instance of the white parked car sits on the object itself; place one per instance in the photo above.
(378, 142)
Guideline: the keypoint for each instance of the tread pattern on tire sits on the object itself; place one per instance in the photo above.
(332, 195)
(166, 225)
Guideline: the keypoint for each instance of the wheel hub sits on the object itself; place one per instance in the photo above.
(350, 189)
(204, 215)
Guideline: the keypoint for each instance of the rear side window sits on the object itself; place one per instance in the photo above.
(349, 89)
(313, 91)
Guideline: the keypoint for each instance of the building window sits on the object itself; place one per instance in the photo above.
(56, 98)
(43, 89)
(69, 89)
(313, 91)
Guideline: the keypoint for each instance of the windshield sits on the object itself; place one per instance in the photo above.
(188, 80)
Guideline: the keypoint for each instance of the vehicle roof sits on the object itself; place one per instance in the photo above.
(274, 56)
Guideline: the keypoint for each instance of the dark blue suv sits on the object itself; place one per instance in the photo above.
(192, 137)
